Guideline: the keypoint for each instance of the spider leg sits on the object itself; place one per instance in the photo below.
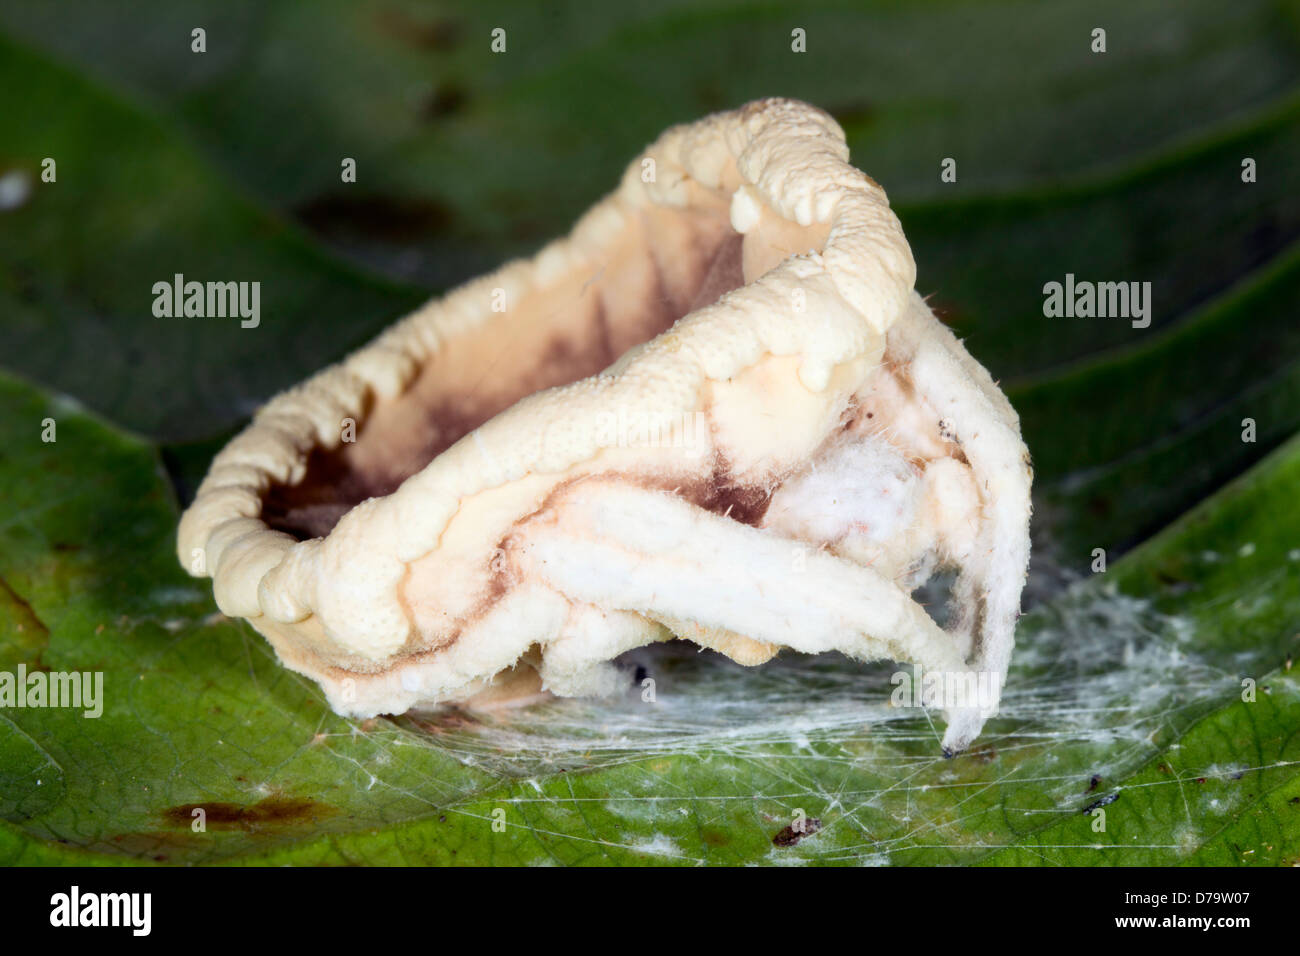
(578, 662)
(621, 547)
(978, 417)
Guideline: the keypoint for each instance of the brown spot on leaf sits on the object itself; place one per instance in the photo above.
(714, 838)
(274, 812)
(158, 845)
(444, 101)
(25, 634)
(441, 33)
(374, 216)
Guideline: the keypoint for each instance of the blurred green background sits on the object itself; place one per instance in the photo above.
(1117, 166)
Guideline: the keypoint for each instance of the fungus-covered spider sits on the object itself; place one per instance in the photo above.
(717, 410)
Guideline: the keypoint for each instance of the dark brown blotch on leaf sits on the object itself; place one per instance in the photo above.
(275, 811)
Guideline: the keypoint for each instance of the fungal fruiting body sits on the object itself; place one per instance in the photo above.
(717, 410)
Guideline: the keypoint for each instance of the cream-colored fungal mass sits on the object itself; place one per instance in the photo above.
(716, 411)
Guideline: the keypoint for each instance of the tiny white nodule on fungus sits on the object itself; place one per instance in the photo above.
(718, 370)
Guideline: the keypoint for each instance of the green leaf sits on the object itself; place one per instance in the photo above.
(1184, 222)
(1162, 421)
(133, 205)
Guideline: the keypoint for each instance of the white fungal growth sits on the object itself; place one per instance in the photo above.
(486, 539)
